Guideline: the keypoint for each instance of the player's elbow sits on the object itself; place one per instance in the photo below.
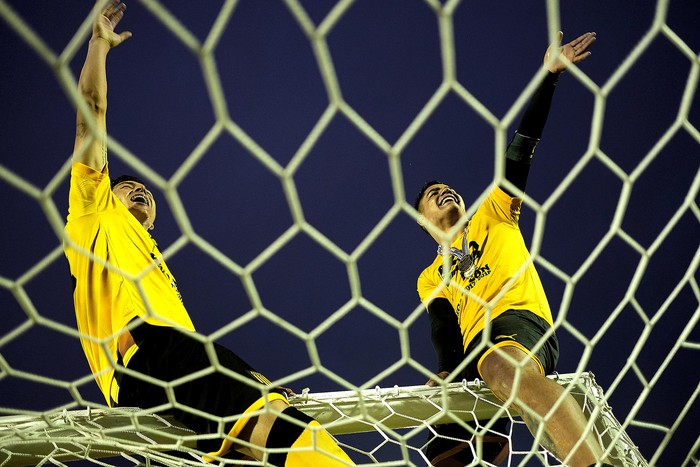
(95, 100)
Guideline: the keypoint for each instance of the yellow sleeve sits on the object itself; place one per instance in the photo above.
(501, 206)
(90, 191)
(428, 282)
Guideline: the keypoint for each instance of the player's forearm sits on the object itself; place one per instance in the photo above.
(92, 87)
(522, 147)
(535, 117)
(446, 335)
(93, 77)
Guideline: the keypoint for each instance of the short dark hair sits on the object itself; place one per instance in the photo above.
(422, 191)
(126, 178)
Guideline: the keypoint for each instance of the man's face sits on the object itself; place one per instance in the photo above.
(138, 200)
(442, 206)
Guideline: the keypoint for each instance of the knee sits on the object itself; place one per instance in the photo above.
(267, 420)
(498, 376)
(258, 428)
(500, 368)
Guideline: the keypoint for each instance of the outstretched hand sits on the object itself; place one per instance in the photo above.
(106, 23)
(574, 51)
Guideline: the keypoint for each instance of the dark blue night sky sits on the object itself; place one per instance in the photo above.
(387, 59)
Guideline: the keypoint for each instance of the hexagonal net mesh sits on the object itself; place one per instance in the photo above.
(375, 422)
(400, 420)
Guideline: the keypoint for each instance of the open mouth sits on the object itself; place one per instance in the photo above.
(447, 198)
(139, 198)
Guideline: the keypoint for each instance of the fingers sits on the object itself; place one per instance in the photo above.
(111, 7)
(560, 36)
(442, 375)
(106, 23)
(571, 52)
(580, 46)
(114, 12)
(581, 43)
(587, 37)
(288, 391)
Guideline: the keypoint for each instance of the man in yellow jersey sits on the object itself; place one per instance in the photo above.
(130, 314)
(491, 278)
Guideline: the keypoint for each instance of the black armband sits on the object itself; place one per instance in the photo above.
(521, 148)
(445, 334)
(518, 158)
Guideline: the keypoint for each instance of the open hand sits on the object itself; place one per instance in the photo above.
(574, 51)
(106, 23)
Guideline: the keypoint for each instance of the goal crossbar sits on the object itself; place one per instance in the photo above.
(73, 435)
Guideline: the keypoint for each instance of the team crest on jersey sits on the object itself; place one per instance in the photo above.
(465, 264)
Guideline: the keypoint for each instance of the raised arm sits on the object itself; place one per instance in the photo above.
(92, 86)
(522, 146)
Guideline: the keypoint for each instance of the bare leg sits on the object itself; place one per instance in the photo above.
(257, 429)
(539, 393)
(312, 445)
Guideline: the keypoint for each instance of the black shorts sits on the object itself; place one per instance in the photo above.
(521, 328)
(168, 354)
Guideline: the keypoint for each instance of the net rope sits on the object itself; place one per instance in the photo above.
(15, 428)
(398, 416)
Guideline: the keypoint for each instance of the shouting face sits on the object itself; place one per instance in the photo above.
(138, 200)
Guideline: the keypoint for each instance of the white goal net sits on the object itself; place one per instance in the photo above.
(285, 142)
(399, 417)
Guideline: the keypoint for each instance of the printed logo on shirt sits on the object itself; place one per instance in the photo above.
(159, 263)
(467, 269)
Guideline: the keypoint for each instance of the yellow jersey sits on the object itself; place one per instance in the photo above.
(118, 272)
(491, 269)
